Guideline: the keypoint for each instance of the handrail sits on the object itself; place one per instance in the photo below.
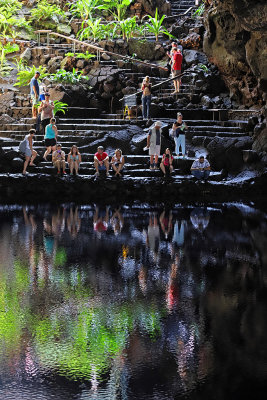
(180, 15)
(157, 85)
(99, 49)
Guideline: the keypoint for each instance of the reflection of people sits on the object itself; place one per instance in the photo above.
(200, 218)
(153, 234)
(73, 222)
(117, 221)
(172, 295)
(201, 168)
(166, 223)
(178, 233)
(100, 220)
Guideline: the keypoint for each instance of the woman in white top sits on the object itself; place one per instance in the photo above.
(28, 151)
(117, 162)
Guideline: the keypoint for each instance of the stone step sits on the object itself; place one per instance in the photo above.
(69, 127)
(74, 112)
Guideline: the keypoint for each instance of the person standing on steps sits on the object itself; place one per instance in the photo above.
(166, 162)
(34, 91)
(179, 130)
(101, 161)
(74, 159)
(177, 60)
(26, 147)
(50, 137)
(46, 109)
(201, 169)
(146, 97)
(58, 159)
(154, 143)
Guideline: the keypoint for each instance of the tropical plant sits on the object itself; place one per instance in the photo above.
(155, 25)
(127, 27)
(67, 76)
(4, 50)
(8, 18)
(60, 107)
(199, 11)
(94, 29)
(116, 7)
(85, 9)
(86, 55)
(25, 74)
(45, 11)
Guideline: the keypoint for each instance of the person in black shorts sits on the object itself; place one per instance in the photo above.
(50, 137)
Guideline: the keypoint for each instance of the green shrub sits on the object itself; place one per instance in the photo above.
(116, 7)
(6, 49)
(25, 75)
(60, 107)
(155, 25)
(45, 11)
(67, 77)
(86, 55)
(85, 9)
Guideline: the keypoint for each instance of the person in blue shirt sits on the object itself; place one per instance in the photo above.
(34, 90)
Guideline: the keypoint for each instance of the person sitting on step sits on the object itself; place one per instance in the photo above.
(201, 169)
(74, 159)
(117, 162)
(101, 161)
(179, 129)
(166, 162)
(58, 159)
(50, 137)
(26, 148)
(154, 143)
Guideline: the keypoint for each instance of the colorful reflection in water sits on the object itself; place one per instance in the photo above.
(132, 303)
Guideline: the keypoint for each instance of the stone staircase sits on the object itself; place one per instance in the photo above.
(181, 6)
(83, 131)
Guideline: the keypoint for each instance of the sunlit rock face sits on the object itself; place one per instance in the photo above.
(236, 41)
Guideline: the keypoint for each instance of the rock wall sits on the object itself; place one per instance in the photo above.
(236, 41)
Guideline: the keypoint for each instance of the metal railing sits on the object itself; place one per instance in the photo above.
(98, 49)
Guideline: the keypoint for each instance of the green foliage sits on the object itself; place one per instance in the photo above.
(85, 9)
(94, 29)
(116, 7)
(127, 27)
(61, 256)
(45, 11)
(155, 25)
(86, 55)
(67, 77)
(4, 50)
(203, 67)
(199, 11)
(26, 73)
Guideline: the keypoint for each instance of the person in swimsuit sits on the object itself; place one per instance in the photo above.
(74, 159)
(117, 162)
(50, 137)
(29, 153)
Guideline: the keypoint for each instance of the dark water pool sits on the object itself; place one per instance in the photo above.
(133, 303)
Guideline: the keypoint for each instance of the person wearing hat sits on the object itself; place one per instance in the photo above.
(101, 161)
(26, 147)
(34, 91)
(58, 159)
(154, 143)
(46, 109)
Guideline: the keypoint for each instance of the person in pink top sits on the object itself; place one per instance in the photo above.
(166, 162)
(101, 161)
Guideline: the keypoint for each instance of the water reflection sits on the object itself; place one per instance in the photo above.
(132, 303)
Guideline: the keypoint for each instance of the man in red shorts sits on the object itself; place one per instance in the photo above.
(101, 161)
(177, 60)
